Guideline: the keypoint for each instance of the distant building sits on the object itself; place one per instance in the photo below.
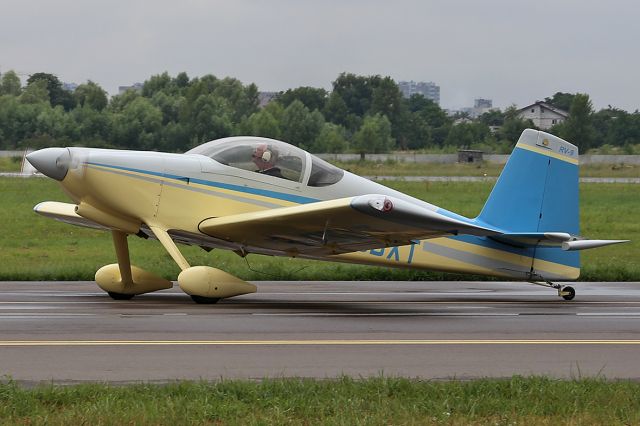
(482, 103)
(265, 97)
(135, 87)
(543, 115)
(480, 106)
(428, 89)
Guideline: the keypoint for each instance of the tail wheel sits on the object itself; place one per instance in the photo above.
(568, 293)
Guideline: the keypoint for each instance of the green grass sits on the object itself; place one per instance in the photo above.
(36, 248)
(10, 164)
(345, 401)
(400, 168)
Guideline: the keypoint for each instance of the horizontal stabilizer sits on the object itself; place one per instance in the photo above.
(589, 244)
(565, 240)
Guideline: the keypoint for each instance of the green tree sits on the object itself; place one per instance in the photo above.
(300, 126)
(10, 84)
(374, 136)
(331, 139)
(93, 127)
(386, 98)
(243, 100)
(136, 126)
(35, 92)
(211, 119)
(176, 137)
(415, 132)
(513, 126)
(361, 96)
(355, 91)
(464, 135)
(9, 122)
(91, 95)
(336, 111)
(262, 123)
(119, 102)
(493, 117)
(435, 118)
(204, 85)
(312, 97)
(182, 80)
(170, 105)
(56, 124)
(57, 95)
(616, 127)
(578, 128)
(561, 100)
(158, 83)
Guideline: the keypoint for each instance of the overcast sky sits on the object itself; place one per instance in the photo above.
(510, 51)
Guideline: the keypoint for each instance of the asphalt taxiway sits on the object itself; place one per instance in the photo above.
(72, 332)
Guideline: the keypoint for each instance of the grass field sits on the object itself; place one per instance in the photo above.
(10, 164)
(345, 401)
(36, 248)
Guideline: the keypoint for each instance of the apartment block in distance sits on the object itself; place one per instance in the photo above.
(428, 89)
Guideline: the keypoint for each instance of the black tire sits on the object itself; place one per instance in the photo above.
(204, 300)
(120, 296)
(571, 293)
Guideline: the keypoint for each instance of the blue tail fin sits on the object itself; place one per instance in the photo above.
(538, 188)
(538, 192)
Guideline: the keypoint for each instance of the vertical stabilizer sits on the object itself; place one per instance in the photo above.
(537, 191)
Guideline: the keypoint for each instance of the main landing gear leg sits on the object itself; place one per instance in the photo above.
(122, 280)
(566, 292)
(203, 283)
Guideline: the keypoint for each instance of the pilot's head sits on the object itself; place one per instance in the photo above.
(264, 157)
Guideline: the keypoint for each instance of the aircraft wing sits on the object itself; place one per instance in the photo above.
(65, 212)
(338, 226)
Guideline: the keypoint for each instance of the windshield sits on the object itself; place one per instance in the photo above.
(265, 156)
(323, 173)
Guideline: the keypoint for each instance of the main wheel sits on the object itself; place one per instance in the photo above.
(570, 293)
(120, 296)
(204, 300)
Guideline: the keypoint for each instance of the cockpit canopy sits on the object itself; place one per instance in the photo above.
(270, 157)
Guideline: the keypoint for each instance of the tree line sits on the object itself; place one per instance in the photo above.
(363, 114)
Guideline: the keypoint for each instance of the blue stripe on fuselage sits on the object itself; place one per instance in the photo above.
(255, 191)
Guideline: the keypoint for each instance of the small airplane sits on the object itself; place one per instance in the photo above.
(258, 195)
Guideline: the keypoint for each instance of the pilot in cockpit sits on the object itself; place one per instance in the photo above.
(265, 158)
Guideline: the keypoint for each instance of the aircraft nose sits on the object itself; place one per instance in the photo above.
(51, 162)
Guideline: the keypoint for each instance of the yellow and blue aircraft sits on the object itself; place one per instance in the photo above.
(258, 195)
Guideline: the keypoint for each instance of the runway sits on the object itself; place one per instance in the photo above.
(72, 332)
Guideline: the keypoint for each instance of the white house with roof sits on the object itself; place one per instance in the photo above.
(543, 115)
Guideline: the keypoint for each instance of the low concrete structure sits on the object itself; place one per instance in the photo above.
(11, 153)
(469, 156)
